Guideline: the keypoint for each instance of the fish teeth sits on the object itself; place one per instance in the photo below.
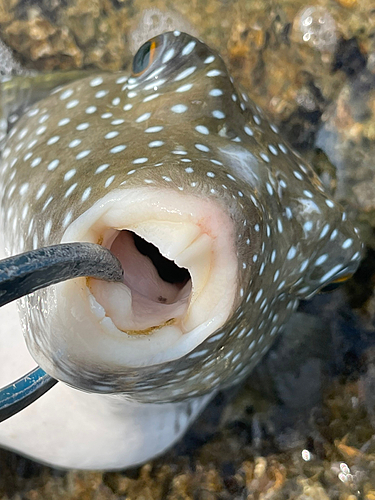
(96, 308)
(116, 296)
(109, 325)
(171, 238)
(197, 258)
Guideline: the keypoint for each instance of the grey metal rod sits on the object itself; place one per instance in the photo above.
(27, 272)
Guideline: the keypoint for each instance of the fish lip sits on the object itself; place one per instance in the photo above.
(77, 348)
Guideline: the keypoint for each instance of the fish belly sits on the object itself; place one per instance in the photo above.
(73, 429)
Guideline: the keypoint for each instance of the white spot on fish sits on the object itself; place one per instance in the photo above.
(24, 188)
(70, 190)
(83, 126)
(101, 93)
(139, 160)
(209, 60)
(72, 104)
(41, 130)
(179, 108)
(118, 149)
(150, 97)
(67, 219)
(215, 92)
(83, 154)
(213, 72)
(96, 81)
(35, 162)
(188, 48)
(111, 134)
(40, 191)
(91, 109)
(53, 140)
(168, 55)
(155, 144)
(109, 181)
(102, 168)
(202, 147)
(185, 87)
(53, 165)
(202, 129)
(86, 194)
(69, 174)
(65, 95)
(218, 114)
(152, 130)
(47, 229)
(347, 243)
(143, 117)
(185, 73)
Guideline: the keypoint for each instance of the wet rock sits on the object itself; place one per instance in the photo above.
(347, 136)
(9, 65)
(315, 26)
(349, 58)
(38, 40)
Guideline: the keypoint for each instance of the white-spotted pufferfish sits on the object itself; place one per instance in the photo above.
(220, 227)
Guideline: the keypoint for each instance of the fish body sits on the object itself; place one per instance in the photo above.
(220, 226)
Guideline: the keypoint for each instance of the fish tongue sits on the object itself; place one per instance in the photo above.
(145, 300)
(198, 259)
(133, 312)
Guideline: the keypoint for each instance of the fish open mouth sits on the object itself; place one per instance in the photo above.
(180, 266)
(155, 292)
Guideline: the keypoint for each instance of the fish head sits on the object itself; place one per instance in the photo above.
(165, 61)
(220, 226)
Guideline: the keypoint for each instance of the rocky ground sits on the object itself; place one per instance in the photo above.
(295, 430)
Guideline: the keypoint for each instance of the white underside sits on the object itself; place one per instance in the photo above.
(72, 429)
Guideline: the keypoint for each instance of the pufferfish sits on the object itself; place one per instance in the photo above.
(220, 228)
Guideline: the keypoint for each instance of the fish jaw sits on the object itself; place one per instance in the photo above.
(122, 326)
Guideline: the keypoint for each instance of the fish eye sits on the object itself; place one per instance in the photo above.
(145, 56)
(335, 284)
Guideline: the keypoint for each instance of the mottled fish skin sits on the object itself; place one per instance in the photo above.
(183, 125)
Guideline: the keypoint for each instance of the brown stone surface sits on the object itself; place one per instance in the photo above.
(341, 464)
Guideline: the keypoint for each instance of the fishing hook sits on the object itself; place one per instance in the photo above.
(27, 272)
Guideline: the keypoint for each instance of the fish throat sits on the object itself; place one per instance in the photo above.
(153, 280)
(167, 269)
